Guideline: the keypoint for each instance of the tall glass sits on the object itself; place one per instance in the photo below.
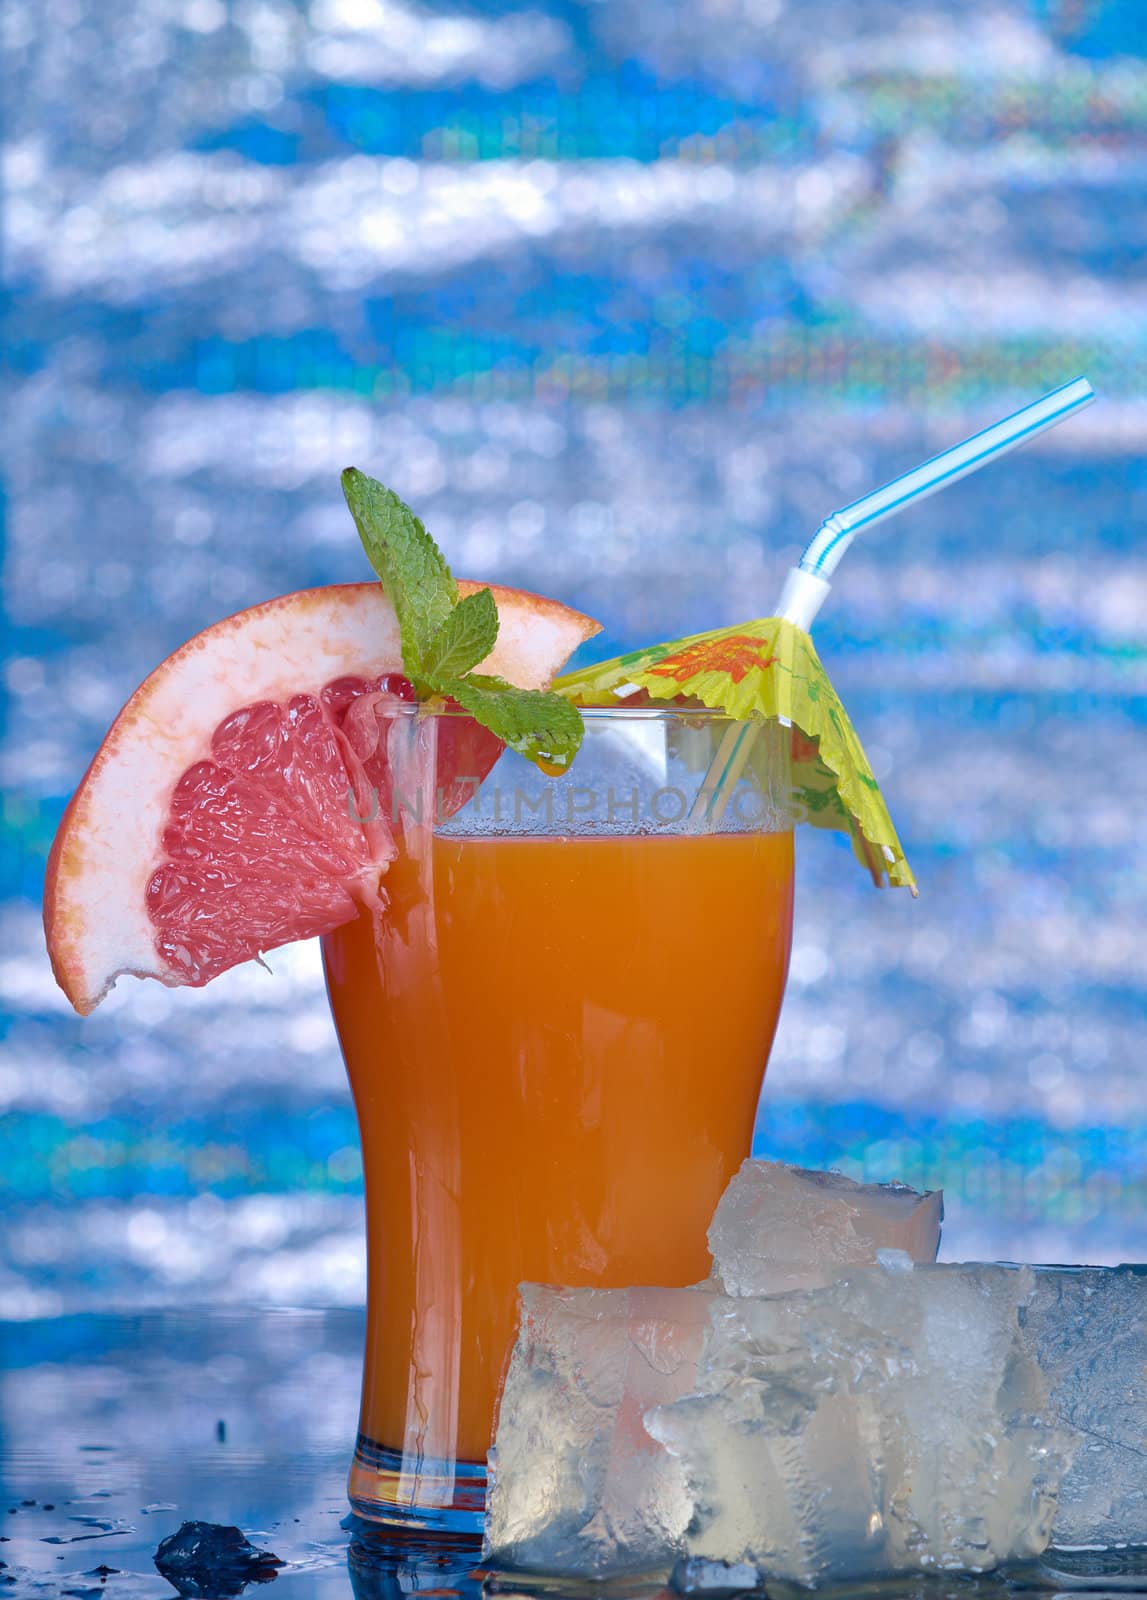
(555, 1034)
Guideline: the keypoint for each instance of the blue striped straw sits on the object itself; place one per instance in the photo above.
(808, 582)
(837, 531)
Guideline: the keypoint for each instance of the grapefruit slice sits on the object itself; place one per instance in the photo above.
(214, 824)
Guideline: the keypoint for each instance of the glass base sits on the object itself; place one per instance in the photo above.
(421, 1495)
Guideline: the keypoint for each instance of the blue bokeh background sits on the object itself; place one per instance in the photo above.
(624, 297)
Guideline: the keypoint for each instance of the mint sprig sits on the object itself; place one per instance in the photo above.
(444, 637)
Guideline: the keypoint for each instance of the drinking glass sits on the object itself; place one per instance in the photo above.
(555, 1032)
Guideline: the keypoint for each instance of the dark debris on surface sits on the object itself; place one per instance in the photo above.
(208, 1560)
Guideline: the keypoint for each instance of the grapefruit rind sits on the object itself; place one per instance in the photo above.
(110, 839)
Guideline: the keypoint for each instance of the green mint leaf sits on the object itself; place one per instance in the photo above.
(538, 725)
(409, 564)
(465, 638)
(444, 637)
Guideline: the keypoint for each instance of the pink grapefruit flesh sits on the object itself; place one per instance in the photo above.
(214, 824)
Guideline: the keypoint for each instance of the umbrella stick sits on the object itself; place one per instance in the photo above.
(723, 775)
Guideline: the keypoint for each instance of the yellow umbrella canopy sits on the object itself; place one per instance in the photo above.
(768, 670)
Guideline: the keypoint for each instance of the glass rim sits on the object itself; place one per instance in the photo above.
(412, 708)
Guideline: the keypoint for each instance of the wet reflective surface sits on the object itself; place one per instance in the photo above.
(117, 1430)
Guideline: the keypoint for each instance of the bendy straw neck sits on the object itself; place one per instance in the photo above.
(808, 583)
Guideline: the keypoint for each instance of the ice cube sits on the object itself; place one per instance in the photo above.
(1087, 1328)
(780, 1227)
(890, 1422)
(578, 1486)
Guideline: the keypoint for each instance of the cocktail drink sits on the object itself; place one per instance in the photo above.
(548, 1085)
(555, 982)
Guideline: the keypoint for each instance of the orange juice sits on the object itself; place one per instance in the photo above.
(556, 1047)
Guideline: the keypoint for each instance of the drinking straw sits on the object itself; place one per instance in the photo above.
(807, 583)
(805, 590)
